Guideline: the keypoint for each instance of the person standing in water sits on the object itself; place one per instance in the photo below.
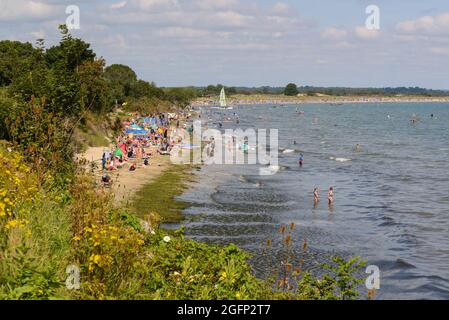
(330, 196)
(316, 198)
(301, 160)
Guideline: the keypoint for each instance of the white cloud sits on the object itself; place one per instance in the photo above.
(179, 32)
(343, 45)
(150, 5)
(334, 33)
(440, 50)
(426, 24)
(366, 34)
(233, 19)
(208, 5)
(38, 34)
(281, 8)
(443, 20)
(28, 9)
(116, 41)
(119, 5)
(321, 61)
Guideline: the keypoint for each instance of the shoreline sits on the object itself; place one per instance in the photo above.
(277, 99)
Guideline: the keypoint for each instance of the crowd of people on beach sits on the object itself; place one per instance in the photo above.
(141, 137)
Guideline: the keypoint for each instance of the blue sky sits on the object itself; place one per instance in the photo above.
(253, 43)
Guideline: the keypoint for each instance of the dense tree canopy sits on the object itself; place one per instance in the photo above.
(121, 79)
(15, 58)
(291, 90)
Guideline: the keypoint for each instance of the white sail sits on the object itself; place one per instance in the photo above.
(222, 98)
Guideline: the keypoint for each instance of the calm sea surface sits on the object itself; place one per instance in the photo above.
(391, 198)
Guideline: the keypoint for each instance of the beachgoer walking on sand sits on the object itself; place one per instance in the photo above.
(103, 161)
(330, 196)
(301, 159)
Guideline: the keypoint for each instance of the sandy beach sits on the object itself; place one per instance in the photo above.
(125, 182)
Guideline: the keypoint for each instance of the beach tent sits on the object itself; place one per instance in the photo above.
(136, 132)
(135, 127)
(118, 152)
(123, 148)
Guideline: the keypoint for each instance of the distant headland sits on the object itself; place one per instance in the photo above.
(292, 94)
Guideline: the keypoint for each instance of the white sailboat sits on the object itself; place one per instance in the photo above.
(222, 98)
(223, 103)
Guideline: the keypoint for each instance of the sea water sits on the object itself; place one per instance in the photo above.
(391, 195)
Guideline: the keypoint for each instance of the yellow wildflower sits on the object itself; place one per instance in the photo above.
(12, 224)
(95, 258)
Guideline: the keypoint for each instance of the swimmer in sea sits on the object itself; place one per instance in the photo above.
(357, 148)
(330, 196)
(315, 197)
(414, 119)
(301, 159)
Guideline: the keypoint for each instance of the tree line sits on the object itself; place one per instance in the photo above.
(292, 89)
